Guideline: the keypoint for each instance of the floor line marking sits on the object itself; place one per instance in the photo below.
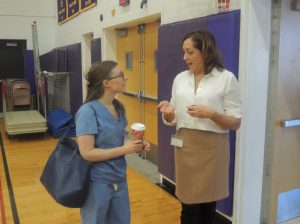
(9, 184)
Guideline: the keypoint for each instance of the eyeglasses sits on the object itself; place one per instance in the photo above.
(121, 75)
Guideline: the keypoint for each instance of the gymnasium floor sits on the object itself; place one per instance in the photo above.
(24, 200)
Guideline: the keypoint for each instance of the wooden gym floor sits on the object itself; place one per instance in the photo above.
(24, 200)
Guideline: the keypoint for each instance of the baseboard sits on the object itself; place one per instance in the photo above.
(220, 219)
(152, 155)
(167, 186)
(170, 188)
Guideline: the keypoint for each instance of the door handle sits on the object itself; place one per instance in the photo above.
(130, 94)
(290, 123)
(148, 98)
(140, 95)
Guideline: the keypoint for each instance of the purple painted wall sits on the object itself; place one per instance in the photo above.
(75, 69)
(225, 28)
(29, 70)
(49, 61)
(67, 58)
(96, 50)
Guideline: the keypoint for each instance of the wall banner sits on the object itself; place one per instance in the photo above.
(87, 4)
(67, 9)
(73, 8)
(62, 11)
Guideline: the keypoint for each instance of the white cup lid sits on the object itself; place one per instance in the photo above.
(138, 127)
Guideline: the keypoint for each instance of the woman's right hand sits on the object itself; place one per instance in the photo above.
(167, 109)
(132, 146)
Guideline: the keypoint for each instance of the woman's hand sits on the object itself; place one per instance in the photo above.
(132, 146)
(146, 146)
(200, 111)
(224, 121)
(167, 109)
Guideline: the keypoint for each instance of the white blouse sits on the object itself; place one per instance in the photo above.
(217, 90)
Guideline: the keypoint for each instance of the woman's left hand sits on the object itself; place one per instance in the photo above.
(200, 111)
(146, 146)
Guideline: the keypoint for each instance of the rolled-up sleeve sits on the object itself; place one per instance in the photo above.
(172, 123)
(232, 98)
(172, 101)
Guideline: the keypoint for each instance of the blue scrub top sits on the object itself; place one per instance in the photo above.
(109, 133)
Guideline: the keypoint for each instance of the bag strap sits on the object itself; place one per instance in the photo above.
(95, 115)
(70, 124)
(67, 130)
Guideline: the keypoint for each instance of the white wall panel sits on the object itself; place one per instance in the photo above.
(253, 77)
(44, 8)
(16, 17)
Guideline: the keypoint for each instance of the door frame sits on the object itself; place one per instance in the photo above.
(86, 58)
(253, 79)
(272, 121)
(109, 35)
(271, 113)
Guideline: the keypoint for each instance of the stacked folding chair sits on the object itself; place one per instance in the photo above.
(17, 107)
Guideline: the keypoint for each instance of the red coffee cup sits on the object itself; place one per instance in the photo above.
(137, 131)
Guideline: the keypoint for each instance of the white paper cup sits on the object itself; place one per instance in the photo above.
(137, 131)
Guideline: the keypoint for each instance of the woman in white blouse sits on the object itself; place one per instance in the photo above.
(205, 105)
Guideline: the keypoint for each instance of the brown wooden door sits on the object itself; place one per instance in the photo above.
(150, 81)
(284, 200)
(136, 52)
(128, 49)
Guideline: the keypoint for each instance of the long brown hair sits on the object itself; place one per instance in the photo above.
(99, 72)
(206, 44)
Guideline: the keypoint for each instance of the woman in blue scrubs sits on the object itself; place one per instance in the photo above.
(100, 131)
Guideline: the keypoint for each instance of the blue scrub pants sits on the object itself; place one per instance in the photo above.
(106, 204)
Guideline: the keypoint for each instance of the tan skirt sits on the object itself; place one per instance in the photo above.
(202, 166)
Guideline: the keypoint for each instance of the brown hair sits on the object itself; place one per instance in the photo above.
(206, 44)
(99, 72)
